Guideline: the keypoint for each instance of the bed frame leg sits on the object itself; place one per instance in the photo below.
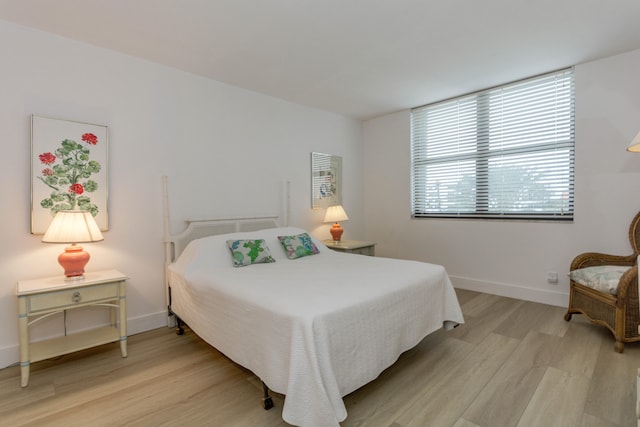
(267, 402)
(179, 327)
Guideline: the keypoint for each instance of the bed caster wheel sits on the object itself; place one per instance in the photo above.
(267, 403)
(179, 331)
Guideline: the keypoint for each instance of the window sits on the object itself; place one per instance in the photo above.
(506, 152)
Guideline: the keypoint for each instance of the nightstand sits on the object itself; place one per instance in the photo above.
(40, 298)
(352, 246)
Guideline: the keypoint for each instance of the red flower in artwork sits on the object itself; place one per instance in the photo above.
(90, 138)
(47, 158)
(76, 188)
(66, 172)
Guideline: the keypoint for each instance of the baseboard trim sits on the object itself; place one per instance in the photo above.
(147, 322)
(10, 355)
(542, 296)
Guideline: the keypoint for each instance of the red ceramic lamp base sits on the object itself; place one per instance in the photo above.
(336, 232)
(73, 260)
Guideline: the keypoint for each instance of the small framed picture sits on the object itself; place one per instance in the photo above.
(68, 170)
(326, 180)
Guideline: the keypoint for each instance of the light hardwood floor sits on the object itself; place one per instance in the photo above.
(513, 363)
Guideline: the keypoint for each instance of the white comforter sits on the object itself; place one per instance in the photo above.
(315, 328)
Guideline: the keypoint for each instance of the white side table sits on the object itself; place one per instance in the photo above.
(352, 246)
(41, 298)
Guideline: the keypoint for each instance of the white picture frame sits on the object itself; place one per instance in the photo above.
(326, 180)
(69, 164)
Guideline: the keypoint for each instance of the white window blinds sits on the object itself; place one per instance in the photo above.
(506, 152)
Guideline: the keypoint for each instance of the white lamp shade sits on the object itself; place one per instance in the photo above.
(634, 146)
(335, 214)
(73, 227)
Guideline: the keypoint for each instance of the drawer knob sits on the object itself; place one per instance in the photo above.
(76, 296)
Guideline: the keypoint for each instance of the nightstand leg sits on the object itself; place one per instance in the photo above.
(113, 318)
(123, 347)
(24, 374)
(23, 336)
(123, 320)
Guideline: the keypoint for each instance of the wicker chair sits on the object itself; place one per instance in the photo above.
(619, 313)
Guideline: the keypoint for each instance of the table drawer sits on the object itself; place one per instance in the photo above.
(362, 251)
(71, 297)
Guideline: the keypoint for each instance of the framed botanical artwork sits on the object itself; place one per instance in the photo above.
(68, 170)
(326, 180)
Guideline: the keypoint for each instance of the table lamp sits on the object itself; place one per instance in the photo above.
(634, 146)
(334, 214)
(73, 226)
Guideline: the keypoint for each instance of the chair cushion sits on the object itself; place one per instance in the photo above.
(603, 278)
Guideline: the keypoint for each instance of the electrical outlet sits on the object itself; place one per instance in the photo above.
(552, 277)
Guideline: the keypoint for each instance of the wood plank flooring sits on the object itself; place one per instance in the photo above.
(513, 363)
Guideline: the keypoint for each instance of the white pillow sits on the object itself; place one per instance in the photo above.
(214, 252)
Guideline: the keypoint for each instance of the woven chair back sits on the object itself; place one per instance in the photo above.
(634, 234)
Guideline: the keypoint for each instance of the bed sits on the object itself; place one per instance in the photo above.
(314, 328)
(312, 324)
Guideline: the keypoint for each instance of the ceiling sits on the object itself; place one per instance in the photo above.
(361, 58)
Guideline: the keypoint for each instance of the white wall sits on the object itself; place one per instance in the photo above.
(513, 258)
(226, 151)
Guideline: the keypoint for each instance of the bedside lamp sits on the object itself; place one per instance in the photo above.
(335, 214)
(73, 227)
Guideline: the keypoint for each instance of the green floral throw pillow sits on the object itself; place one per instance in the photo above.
(247, 252)
(298, 246)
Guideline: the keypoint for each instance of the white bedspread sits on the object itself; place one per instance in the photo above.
(314, 328)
